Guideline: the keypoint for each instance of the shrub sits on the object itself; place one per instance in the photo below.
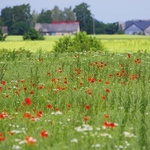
(32, 34)
(2, 36)
(79, 43)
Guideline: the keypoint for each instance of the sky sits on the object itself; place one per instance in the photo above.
(107, 11)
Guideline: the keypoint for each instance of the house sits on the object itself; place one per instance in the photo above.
(4, 29)
(137, 27)
(58, 28)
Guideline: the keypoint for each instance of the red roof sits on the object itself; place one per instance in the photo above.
(67, 22)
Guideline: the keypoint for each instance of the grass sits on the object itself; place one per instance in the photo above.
(112, 43)
(90, 100)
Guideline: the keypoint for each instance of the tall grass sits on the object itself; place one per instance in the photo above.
(94, 100)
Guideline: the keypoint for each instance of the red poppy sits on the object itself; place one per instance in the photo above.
(39, 114)
(27, 115)
(109, 124)
(41, 87)
(49, 106)
(69, 106)
(87, 107)
(129, 55)
(44, 134)
(103, 97)
(1, 88)
(137, 61)
(107, 90)
(86, 118)
(91, 80)
(27, 101)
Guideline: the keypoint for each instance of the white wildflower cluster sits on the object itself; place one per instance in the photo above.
(84, 127)
(56, 113)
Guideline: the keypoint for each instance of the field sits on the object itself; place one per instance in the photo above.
(112, 43)
(75, 101)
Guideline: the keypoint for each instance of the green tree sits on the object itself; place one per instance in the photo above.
(111, 28)
(18, 19)
(56, 14)
(45, 16)
(69, 14)
(84, 16)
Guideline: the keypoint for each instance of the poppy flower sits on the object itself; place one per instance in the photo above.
(30, 140)
(107, 90)
(91, 80)
(69, 106)
(27, 101)
(87, 107)
(109, 124)
(39, 114)
(86, 118)
(103, 97)
(49, 106)
(44, 134)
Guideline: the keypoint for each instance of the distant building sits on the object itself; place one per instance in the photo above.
(4, 29)
(58, 27)
(137, 27)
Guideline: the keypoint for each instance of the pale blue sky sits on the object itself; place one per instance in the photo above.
(103, 10)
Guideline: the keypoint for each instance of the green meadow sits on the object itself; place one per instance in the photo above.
(75, 101)
(112, 43)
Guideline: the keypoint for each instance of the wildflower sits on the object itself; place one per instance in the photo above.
(91, 80)
(137, 61)
(129, 55)
(106, 116)
(87, 107)
(103, 97)
(41, 87)
(74, 141)
(2, 138)
(31, 92)
(128, 134)
(27, 115)
(1, 88)
(109, 124)
(27, 101)
(49, 106)
(39, 114)
(30, 140)
(107, 90)
(3, 82)
(86, 118)
(44, 134)
(69, 106)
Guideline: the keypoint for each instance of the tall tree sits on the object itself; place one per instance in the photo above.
(56, 14)
(18, 19)
(84, 16)
(45, 16)
(69, 14)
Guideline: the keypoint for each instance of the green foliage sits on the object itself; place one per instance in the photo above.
(17, 18)
(45, 16)
(32, 34)
(79, 43)
(84, 16)
(2, 36)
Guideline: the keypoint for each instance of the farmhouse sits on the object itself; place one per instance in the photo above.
(4, 29)
(58, 28)
(137, 27)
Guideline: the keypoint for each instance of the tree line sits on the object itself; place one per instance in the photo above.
(20, 19)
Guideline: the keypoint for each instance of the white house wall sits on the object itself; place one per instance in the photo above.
(133, 29)
(147, 31)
